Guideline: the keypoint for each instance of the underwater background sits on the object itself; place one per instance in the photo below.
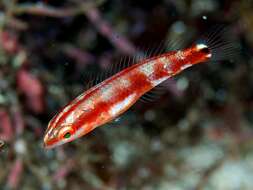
(198, 134)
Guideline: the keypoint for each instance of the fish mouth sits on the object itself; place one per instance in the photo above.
(49, 143)
(52, 142)
(47, 146)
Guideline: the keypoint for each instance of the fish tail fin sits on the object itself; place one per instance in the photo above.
(221, 42)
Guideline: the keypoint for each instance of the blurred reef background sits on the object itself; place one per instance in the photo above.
(198, 135)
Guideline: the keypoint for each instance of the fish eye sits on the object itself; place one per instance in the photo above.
(67, 135)
(65, 132)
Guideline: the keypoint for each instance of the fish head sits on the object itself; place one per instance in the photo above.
(61, 129)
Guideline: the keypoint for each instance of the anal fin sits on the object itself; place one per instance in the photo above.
(153, 94)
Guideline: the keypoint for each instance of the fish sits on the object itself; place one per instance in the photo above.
(110, 98)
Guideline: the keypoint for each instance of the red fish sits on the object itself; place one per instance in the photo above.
(112, 97)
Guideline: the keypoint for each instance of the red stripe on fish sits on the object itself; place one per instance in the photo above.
(112, 97)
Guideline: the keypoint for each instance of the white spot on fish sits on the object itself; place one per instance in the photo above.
(124, 82)
(148, 68)
(201, 46)
(158, 81)
(185, 66)
(164, 60)
(180, 55)
(107, 92)
(118, 107)
(71, 117)
(167, 67)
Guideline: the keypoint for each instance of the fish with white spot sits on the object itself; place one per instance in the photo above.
(107, 100)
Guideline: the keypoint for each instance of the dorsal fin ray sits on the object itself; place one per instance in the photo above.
(222, 43)
(126, 61)
(93, 78)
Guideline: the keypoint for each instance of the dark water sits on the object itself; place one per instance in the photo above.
(196, 135)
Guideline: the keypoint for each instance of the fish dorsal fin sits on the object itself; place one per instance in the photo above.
(160, 48)
(95, 77)
(152, 50)
(124, 63)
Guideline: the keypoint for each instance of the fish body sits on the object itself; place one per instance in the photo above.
(112, 97)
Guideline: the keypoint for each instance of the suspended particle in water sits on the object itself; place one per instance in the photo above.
(204, 17)
(179, 27)
(182, 83)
